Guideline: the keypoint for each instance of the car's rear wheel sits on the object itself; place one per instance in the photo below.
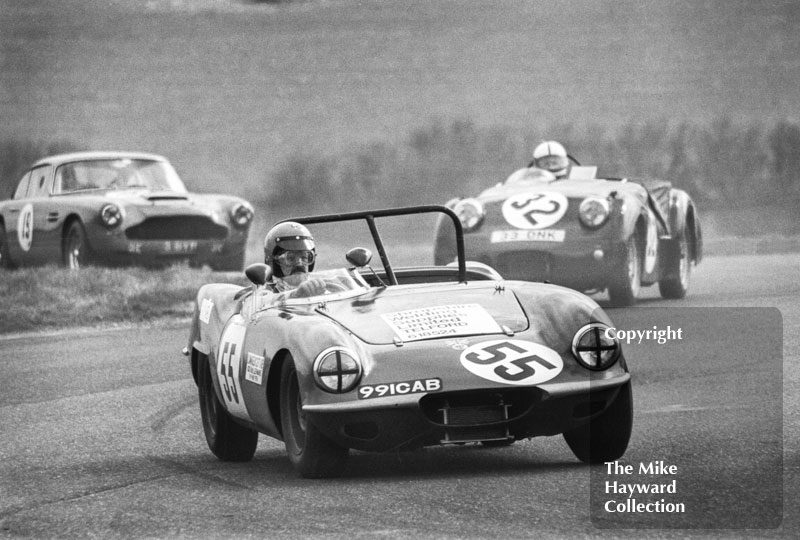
(627, 277)
(677, 284)
(605, 437)
(76, 251)
(227, 440)
(312, 453)
(5, 257)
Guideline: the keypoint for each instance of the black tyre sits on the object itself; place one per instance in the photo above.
(605, 437)
(312, 454)
(627, 279)
(227, 440)
(5, 257)
(676, 285)
(76, 252)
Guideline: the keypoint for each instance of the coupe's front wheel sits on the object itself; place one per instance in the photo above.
(5, 258)
(627, 279)
(605, 437)
(76, 252)
(312, 453)
(227, 440)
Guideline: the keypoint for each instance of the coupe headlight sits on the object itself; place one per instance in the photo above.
(470, 212)
(593, 347)
(337, 370)
(241, 214)
(111, 214)
(593, 212)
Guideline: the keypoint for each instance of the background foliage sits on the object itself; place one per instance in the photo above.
(721, 164)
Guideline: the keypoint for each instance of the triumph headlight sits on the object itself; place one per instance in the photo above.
(595, 346)
(470, 212)
(111, 214)
(593, 212)
(337, 370)
(241, 214)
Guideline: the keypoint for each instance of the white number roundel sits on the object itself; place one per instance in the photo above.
(25, 227)
(512, 361)
(534, 210)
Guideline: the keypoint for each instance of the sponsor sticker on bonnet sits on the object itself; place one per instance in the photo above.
(441, 321)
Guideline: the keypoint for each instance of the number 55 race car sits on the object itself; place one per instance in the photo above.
(397, 358)
(583, 232)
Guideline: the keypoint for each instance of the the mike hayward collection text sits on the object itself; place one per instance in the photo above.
(622, 494)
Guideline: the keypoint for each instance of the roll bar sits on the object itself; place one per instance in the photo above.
(370, 215)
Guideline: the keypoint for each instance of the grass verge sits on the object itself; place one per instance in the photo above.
(51, 297)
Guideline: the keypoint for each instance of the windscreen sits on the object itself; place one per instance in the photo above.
(123, 173)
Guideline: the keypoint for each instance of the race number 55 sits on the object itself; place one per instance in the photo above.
(512, 361)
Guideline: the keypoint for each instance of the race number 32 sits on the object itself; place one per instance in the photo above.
(512, 361)
(534, 210)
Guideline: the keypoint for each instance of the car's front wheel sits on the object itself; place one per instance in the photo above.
(312, 453)
(227, 440)
(605, 437)
(677, 284)
(76, 252)
(5, 257)
(626, 280)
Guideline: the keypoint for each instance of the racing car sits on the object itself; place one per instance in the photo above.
(118, 208)
(399, 358)
(591, 234)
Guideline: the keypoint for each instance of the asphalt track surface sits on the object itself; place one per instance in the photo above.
(101, 437)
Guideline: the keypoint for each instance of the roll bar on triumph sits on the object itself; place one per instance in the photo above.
(370, 215)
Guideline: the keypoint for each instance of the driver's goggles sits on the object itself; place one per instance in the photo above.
(293, 258)
(552, 162)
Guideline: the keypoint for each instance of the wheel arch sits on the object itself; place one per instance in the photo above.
(195, 364)
(68, 221)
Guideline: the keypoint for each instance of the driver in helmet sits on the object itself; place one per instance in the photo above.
(551, 156)
(290, 252)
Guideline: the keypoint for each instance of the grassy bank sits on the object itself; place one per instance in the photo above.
(51, 297)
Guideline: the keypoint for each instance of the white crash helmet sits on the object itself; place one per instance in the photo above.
(551, 156)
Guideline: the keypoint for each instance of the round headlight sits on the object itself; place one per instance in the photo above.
(470, 212)
(593, 212)
(241, 214)
(593, 348)
(337, 370)
(111, 214)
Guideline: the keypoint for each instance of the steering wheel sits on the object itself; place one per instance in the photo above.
(334, 287)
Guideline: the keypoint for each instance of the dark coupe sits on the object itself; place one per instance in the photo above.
(118, 208)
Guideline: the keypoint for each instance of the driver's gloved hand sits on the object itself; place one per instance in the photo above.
(310, 287)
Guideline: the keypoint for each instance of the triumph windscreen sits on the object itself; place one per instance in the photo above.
(117, 174)
(340, 283)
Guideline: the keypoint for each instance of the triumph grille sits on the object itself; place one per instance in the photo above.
(177, 228)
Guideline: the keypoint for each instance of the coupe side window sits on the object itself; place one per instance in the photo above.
(22, 187)
(38, 182)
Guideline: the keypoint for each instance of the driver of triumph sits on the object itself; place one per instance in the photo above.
(290, 252)
(551, 156)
